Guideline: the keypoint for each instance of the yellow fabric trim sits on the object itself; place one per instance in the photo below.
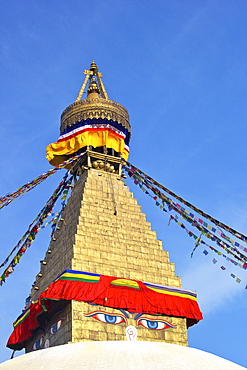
(125, 282)
(89, 277)
(174, 293)
(56, 152)
(21, 318)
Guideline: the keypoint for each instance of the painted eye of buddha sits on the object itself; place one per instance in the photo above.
(154, 324)
(56, 326)
(107, 317)
(38, 344)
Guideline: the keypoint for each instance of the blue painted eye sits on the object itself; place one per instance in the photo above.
(107, 317)
(154, 324)
(111, 319)
(38, 344)
(56, 326)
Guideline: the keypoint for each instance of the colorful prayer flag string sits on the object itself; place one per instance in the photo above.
(214, 261)
(202, 229)
(131, 170)
(58, 215)
(34, 228)
(176, 207)
(8, 198)
(147, 184)
(191, 234)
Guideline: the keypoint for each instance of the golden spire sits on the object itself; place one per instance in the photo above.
(94, 77)
(93, 67)
(93, 90)
(111, 128)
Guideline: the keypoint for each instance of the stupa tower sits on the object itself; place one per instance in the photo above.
(103, 233)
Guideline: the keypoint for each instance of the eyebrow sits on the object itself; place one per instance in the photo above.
(120, 309)
(124, 312)
(137, 316)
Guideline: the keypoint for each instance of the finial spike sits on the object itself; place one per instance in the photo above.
(93, 71)
(93, 67)
(93, 89)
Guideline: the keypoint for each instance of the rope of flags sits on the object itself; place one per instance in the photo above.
(233, 250)
(214, 261)
(8, 198)
(200, 241)
(58, 215)
(132, 170)
(38, 223)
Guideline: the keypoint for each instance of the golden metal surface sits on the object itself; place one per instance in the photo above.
(89, 75)
(79, 96)
(94, 108)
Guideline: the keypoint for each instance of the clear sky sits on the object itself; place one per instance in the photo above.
(179, 67)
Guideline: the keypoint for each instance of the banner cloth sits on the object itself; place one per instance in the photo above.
(131, 295)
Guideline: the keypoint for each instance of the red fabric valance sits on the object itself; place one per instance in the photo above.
(131, 295)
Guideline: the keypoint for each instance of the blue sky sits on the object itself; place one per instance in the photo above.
(179, 67)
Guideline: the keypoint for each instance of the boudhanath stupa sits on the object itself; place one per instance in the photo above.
(106, 295)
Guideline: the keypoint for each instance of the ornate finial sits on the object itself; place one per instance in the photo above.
(89, 76)
(94, 124)
(93, 89)
(93, 67)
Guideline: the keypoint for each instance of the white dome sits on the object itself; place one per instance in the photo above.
(119, 355)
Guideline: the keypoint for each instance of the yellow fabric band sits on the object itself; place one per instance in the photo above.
(57, 152)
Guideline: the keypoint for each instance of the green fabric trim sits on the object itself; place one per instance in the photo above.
(79, 279)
